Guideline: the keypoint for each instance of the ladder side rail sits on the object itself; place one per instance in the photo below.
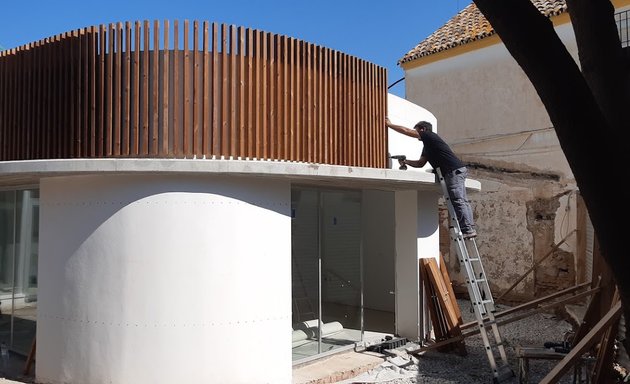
(476, 285)
(481, 276)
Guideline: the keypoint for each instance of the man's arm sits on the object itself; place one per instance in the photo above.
(400, 129)
(417, 163)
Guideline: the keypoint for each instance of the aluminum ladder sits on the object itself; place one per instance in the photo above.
(479, 292)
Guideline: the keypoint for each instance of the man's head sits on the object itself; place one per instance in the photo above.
(423, 126)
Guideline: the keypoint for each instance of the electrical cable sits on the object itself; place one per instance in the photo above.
(396, 82)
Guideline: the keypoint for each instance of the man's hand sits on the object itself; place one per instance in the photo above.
(387, 122)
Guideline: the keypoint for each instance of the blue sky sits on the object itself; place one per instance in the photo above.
(378, 31)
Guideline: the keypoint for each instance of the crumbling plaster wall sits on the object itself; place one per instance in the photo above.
(520, 214)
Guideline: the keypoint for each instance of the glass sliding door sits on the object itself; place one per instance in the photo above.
(326, 270)
(305, 261)
(341, 266)
(19, 235)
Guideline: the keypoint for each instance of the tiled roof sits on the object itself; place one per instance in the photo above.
(470, 25)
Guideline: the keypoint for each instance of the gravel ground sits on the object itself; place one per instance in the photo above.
(442, 368)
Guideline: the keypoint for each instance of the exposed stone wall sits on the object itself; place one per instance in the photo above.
(520, 214)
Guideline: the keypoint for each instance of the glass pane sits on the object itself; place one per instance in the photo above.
(25, 292)
(7, 205)
(326, 262)
(304, 272)
(341, 268)
(7, 242)
(19, 234)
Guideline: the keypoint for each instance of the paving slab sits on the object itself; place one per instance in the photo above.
(337, 367)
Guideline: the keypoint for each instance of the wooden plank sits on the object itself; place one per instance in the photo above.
(155, 89)
(25, 130)
(601, 371)
(241, 93)
(317, 144)
(90, 122)
(135, 129)
(292, 106)
(232, 126)
(603, 300)
(40, 90)
(216, 87)
(4, 96)
(127, 91)
(283, 91)
(186, 94)
(439, 327)
(336, 109)
(117, 103)
(310, 136)
(257, 95)
(196, 139)
(206, 89)
(449, 287)
(264, 138)
(326, 107)
(532, 312)
(298, 102)
(144, 136)
(109, 93)
(251, 123)
(30, 359)
(164, 150)
(533, 303)
(447, 302)
(4, 102)
(225, 135)
(580, 348)
(92, 70)
(176, 87)
(270, 114)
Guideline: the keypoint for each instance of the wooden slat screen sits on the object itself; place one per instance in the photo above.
(206, 90)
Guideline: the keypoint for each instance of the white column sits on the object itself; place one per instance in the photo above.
(406, 260)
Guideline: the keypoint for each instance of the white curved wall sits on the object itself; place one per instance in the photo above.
(403, 112)
(159, 279)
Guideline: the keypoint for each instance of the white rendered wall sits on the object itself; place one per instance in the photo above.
(405, 113)
(164, 279)
(487, 107)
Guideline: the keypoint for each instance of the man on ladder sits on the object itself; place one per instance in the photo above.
(452, 174)
(439, 155)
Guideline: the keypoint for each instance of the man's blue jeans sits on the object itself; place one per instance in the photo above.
(455, 184)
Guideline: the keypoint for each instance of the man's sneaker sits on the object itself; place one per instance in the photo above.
(470, 235)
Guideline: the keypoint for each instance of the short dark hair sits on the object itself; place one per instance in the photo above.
(424, 124)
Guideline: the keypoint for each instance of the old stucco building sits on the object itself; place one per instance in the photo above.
(491, 115)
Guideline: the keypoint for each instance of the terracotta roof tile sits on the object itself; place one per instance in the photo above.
(470, 25)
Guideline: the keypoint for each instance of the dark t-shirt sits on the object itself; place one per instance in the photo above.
(438, 153)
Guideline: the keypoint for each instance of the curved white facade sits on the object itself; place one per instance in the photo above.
(164, 279)
(168, 271)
